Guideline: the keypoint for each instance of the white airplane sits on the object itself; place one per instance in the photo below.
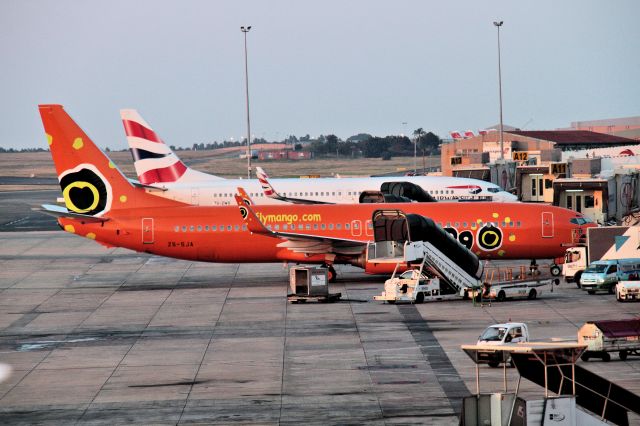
(160, 171)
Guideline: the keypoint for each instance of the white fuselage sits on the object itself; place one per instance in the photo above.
(218, 192)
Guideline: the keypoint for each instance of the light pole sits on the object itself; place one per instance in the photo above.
(498, 25)
(245, 30)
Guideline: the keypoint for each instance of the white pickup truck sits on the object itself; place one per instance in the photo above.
(501, 334)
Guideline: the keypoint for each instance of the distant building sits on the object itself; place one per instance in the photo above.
(284, 154)
(628, 127)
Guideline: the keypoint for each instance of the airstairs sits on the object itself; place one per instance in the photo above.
(413, 239)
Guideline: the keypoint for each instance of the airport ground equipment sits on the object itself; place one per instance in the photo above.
(601, 243)
(603, 275)
(628, 289)
(441, 264)
(603, 337)
(581, 397)
(498, 335)
(309, 283)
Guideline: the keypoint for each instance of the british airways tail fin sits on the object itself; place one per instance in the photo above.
(154, 160)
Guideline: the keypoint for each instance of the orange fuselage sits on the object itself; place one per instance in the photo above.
(218, 234)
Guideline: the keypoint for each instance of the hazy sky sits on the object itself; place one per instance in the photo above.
(321, 67)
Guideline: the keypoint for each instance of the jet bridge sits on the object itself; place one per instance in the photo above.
(413, 239)
(551, 365)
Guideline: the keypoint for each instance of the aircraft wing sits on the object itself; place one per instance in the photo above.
(299, 242)
(270, 191)
(59, 211)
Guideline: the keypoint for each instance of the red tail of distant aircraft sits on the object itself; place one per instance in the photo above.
(102, 205)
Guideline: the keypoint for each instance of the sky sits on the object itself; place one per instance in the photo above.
(324, 67)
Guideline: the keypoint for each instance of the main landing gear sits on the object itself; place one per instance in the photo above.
(331, 273)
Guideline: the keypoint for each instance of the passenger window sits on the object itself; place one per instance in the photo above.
(229, 228)
(244, 227)
(331, 226)
(199, 228)
(206, 227)
(176, 229)
(315, 226)
(192, 228)
(237, 227)
(308, 227)
(338, 226)
(213, 228)
(285, 227)
(518, 224)
(346, 226)
(300, 227)
(323, 226)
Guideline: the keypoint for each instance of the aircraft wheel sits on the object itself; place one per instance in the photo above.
(493, 364)
(555, 270)
(585, 357)
(612, 290)
(623, 355)
(532, 294)
(592, 292)
(501, 296)
(420, 297)
(577, 278)
(606, 357)
(332, 275)
(391, 302)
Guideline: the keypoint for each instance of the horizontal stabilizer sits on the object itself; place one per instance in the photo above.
(144, 186)
(58, 211)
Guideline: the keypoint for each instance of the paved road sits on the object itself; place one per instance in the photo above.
(105, 336)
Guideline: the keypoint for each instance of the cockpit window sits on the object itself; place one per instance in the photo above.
(493, 189)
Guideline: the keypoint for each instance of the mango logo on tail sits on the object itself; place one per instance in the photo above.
(85, 191)
(243, 212)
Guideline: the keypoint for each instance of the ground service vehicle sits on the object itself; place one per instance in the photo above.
(601, 243)
(500, 334)
(628, 287)
(603, 337)
(603, 275)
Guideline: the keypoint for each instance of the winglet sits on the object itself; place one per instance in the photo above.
(248, 215)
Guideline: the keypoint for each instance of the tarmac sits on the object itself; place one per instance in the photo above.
(110, 336)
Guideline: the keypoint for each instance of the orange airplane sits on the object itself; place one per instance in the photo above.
(101, 204)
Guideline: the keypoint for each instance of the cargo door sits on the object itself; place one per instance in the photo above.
(147, 230)
(547, 225)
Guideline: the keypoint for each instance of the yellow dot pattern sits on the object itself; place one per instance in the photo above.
(111, 165)
(70, 228)
(49, 139)
(91, 236)
(507, 219)
(123, 198)
(512, 237)
(77, 143)
(500, 252)
(495, 215)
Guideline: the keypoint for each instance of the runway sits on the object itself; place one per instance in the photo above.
(105, 336)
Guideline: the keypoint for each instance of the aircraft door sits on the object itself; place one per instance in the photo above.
(356, 228)
(147, 230)
(368, 228)
(537, 187)
(547, 225)
(195, 194)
